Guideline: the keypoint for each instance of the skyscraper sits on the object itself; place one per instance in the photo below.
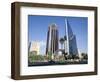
(52, 39)
(72, 44)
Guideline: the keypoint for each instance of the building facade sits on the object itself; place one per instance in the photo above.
(34, 47)
(72, 44)
(52, 39)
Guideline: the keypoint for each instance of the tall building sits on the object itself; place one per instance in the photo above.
(34, 47)
(65, 38)
(72, 44)
(52, 39)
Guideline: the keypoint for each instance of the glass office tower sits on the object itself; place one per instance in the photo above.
(52, 39)
(72, 44)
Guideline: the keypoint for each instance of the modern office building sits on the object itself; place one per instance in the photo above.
(34, 47)
(72, 44)
(52, 39)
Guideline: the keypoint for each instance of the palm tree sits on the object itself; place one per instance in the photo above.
(84, 56)
(61, 42)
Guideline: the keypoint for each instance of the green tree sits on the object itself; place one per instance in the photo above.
(84, 56)
(49, 55)
(33, 57)
(69, 57)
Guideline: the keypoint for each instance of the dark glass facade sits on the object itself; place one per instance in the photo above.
(52, 39)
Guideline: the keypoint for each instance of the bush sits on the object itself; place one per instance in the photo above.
(84, 56)
(34, 57)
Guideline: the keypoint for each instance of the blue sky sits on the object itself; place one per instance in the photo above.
(38, 27)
